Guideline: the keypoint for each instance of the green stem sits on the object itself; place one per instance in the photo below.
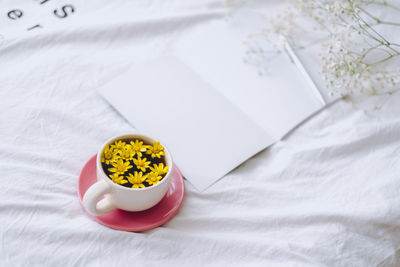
(378, 21)
(372, 29)
(383, 60)
(384, 3)
(390, 23)
(382, 40)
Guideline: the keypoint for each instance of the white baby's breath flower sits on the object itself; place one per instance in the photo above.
(346, 56)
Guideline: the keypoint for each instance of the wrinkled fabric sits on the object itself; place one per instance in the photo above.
(326, 195)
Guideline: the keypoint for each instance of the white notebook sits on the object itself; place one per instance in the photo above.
(212, 110)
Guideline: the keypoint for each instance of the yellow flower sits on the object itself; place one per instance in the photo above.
(153, 178)
(137, 179)
(120, 166)
(156, 150)
(138, 147)
(118, 145)
(126, 153)
(141, 163)
(159, 169)
(118, 179)
(108, 155)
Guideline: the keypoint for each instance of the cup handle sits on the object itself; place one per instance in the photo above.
(92, 195)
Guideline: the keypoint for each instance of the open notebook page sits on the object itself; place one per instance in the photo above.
(278, 100)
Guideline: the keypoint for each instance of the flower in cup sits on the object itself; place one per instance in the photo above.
(118, 179)
(156, 150)
(131, 162)
(120, 166)
(137, 147)
(137, 179)
(160, 169)
(126, 153)
(153, 178)
(118, 145)
(141, 163)
(108, 155)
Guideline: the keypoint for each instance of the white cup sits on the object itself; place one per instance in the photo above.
(118, 196)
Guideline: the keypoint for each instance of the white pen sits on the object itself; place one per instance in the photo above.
(295, 59)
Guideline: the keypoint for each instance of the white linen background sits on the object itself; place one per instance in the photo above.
(326, 195)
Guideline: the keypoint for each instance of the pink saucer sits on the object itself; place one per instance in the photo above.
(136, 221)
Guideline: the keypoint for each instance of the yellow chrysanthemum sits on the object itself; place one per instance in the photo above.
(159, 169)
(118, 179)
(141, 163)
(137, 147)
(108, 155)
(118, 145)
(126, 153)
(120, 166)
(153, 178)
(137, 179)
(156, 150)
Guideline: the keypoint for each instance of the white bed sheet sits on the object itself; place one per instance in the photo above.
(326, 195)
